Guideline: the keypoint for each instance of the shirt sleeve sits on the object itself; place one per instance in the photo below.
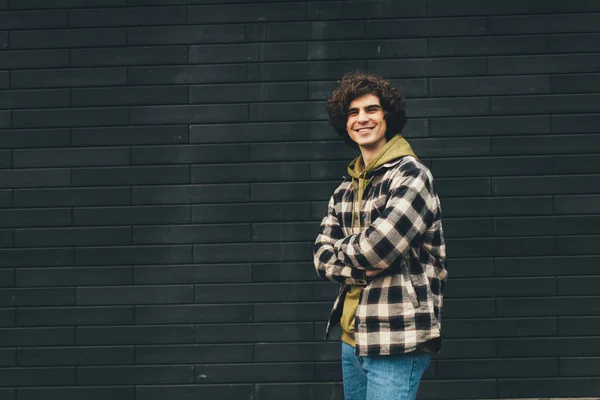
(326, 261)
(409, 211)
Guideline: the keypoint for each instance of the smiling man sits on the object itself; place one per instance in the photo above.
(382, 240)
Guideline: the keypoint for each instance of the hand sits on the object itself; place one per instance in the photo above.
(372, 274)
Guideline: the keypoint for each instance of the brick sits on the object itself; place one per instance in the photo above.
(143, 95)
(194, 234)
(582, 204)
(37, 257)
(253, 212)
(321, 90)
(471, 267)
(578, 326)
(32, 19)
(503, 287)
(550, 104)
(37, 376)
(503, 246)
(5, 159)
(184, 114)
(71, 197)
(445, 147)
(52, 356)
(245, 13)
(134, 175)
(254, 373)
(328, 372)
(38, 296)
(565, 184)
(547, 347)
(326, 291)
(185, 194)
(189, 154)
(72, 77)
(371, 49)
(159, 35)
(318, 210)
(127, 16)
(68, 316)
(35, 4)
(471, 308)
(249, 92)
(490, 85)
(327, 170)
(137, 215)
(8, 358)
(133, 254)
(25, 337)
(27, 138)
(555, 144)
(574, 83)
(70, 117)
(171, 294)
(187, 74)
(231, 53)
(34, 98)
(527, 24)
(4, 80)
(482, 388)
(292, 312)
(48, 237)
(7, 277)
(302, 71)
(509, 368)
(442, 107)
(439, 8)
(540, 64)
(35, 178)
(130, 135)
(5, 119)
(482, 126)
(6, 238)
(253, 132)
(524, 226)
(468, 348)
(283, 272)
(421, 27)
(75, 276)
(134, 375)
(196, 313)
(190, 392)
(501, 327)
(468, 227)
(277, 232)
(429, 67)
(7, 317)
(162, 55)
(291, 191)
(330, 10)
(576, 286)
(258, 292)
(255, 172)
(35, 217)
(577, 43)
(305, 151)
(555, 265)
(287, 111)
(67, 38)
(74, 157)
(211, 273)
(571, 366)
(310, 30)
(78, 392)
(222, 353)
(492, 166)
(278, 332)
(560, 387)
(134, 335)
(19, 59)
(489, 45)
(309, 391)
(284, 352)
(578, 6)
(547, 306)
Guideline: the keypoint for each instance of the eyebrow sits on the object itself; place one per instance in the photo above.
(369, 107)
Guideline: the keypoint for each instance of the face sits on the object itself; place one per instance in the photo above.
(366, 123)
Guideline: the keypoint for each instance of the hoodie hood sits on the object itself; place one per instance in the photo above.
(397, 147)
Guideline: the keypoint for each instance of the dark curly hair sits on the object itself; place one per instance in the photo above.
(356, 84)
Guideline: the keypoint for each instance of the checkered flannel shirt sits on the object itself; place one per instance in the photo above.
(400, 309)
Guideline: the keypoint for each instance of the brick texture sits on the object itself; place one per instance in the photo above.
(164, 165)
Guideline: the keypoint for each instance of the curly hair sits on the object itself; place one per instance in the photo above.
(356, 84)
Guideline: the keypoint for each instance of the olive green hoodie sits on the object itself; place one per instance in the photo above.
(396, 147)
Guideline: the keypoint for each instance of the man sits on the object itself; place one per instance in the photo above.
(382, 239)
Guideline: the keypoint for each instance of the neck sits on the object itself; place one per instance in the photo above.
(369, 152)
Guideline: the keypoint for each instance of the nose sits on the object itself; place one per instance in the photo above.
(362, 116)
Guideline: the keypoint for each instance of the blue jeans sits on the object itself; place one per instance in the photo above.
(385, 377)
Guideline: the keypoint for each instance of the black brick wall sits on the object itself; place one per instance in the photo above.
(164, 165)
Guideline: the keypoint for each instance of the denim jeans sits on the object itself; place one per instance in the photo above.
(382, 378)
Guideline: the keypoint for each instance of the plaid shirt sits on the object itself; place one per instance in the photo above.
(400, 309)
